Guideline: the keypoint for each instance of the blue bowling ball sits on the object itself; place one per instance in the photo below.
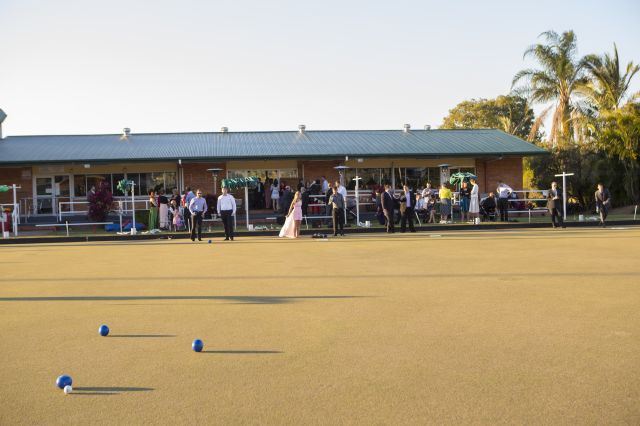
(197, 345)
(103, 330)
(63, 381)
(209, 241)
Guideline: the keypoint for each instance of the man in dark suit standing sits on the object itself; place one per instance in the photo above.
(336, 201)
(407, 201)
(259, 195)
(387, 207)
(603, 203)
(553, 204)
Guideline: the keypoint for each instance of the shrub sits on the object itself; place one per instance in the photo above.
(100, 202)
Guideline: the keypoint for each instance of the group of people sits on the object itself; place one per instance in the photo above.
(187, 212)
(408, 203)
(336, 203)
(177, 212)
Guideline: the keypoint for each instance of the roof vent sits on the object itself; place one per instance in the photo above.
(427, 126)
(301, 128)
(126, 132)
(224, 129)
(407, 127)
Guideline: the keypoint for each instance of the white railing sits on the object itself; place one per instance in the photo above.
(124, 206)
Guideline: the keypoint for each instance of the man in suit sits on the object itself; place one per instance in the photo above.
(504, 193)
(336, 201)
(603, 203)
(387, 208)
(553, 204)
(259, 195)
(407, 201)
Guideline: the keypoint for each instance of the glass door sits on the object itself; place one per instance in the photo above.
(50, 190)
(61, 187)
(44, 195)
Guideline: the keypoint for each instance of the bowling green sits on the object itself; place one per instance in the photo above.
(487, 327)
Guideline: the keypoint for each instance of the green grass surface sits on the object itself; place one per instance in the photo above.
(465, 327)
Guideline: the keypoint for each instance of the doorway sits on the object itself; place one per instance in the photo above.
(49, 191)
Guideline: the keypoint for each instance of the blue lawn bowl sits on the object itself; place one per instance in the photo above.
(209, 241)
(197, 345)
(103, 330)
(63, 381)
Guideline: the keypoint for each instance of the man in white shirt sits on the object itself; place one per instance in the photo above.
(197, 207)
(325, 185)
(407, 200)
(186, 200)
(226, 210)
(504, 192)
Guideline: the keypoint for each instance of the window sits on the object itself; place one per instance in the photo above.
(371, 177)
(80, 185)
(115, 179)
(264, 174)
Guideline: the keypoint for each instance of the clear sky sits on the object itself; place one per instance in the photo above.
(83, 66)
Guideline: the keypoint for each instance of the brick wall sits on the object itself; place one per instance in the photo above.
(508, 170)
(20, 176)
(196, 176)
(315, 169)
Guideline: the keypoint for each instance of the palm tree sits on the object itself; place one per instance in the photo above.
(608, 86)
(557, 81)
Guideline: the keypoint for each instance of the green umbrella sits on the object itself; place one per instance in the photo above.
(458, 178)
(235, 183)
(4, 188)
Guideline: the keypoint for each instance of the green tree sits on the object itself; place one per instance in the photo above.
(619, 136)
(509, 113)
(557, 81)
(608, 87)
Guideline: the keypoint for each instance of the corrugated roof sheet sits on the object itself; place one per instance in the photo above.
(263, 145)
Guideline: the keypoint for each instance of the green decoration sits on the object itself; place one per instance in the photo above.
(458, 178)
(236, 183)
(4, 188)
(123, 185)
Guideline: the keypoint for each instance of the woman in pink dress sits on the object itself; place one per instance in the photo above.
(291, 227)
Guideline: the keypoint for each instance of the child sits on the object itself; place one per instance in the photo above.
(176, 216)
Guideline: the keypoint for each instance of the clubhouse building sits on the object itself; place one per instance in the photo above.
(55, 168)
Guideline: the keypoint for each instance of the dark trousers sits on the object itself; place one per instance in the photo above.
(556, 217)
(338, 221)
(603, 214)
(196, 222)
(503, 205)
(388, 217)
(227, 221)
(407, 216)
(187, 219)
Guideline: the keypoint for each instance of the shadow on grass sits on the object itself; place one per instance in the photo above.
(107, 390)
(142, 335)
(259, 300)
(242, 352)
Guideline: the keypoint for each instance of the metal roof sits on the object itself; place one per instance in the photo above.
(263, 145)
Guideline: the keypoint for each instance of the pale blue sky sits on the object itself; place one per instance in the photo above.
(82, 66)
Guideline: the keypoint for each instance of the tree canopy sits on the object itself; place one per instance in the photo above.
(509, 113)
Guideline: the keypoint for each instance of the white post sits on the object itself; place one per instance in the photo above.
(15, 210)
(134, 230)
(357, 179)
(564, 193)
(246, 203)
(66, 222)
